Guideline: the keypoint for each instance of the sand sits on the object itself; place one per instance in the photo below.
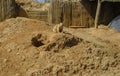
(28, 47)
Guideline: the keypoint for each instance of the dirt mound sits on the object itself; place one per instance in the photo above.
(29, 48)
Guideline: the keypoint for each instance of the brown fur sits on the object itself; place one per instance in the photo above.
(58, 28)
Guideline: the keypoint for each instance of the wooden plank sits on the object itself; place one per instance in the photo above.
(7, 9)
(97, 13)
(67, 13)
(71, 13)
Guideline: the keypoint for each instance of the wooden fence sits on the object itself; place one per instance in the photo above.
(70, 13)
(33, 13)
(40, 15)
(81, 13)
(7, 9)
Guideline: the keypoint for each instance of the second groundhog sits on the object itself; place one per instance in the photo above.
(58, 28)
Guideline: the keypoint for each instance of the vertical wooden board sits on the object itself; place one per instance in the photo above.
(76, 15)
(57, 11)
(80, 16)
(0, 11)
(83, 13)
(67, 20)
(2, 4)
(35, 14)
(7, 9)
(50, 14)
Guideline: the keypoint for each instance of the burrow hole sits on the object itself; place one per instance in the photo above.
(38, 40)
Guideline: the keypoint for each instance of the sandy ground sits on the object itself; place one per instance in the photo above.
(29, 48)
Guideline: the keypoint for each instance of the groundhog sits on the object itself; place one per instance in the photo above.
(58, 28)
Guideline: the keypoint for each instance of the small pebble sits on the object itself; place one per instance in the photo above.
(18, 53)
(17, 74)
(9, 50)
(5, 61)
(23, 58)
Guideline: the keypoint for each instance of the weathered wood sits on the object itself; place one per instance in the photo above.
(35, 14)
(83, 13)
(70, 13)
(56, 11)
(7, 9)
(67, 18)
(97, 13)
(80, 14)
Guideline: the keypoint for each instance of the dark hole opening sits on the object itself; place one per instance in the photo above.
(36, 42)
(72, 42)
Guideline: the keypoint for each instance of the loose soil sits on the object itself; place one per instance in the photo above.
(29, 48)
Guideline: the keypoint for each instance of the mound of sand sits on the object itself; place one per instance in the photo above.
(29, 48)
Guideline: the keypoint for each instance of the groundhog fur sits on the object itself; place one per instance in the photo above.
(58, 28)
